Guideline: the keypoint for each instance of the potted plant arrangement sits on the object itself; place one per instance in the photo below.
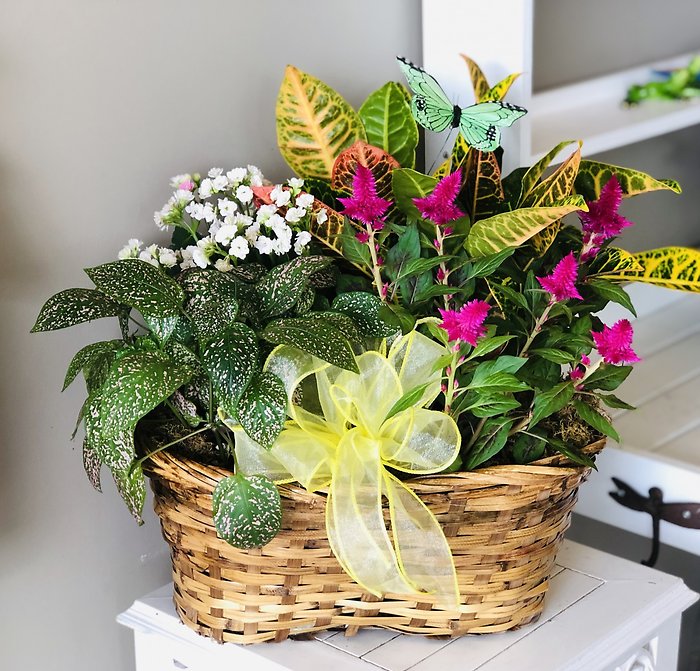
(366, 396)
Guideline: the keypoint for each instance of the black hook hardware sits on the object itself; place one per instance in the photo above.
(682, 514)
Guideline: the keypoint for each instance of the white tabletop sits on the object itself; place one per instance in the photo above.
(599, 612)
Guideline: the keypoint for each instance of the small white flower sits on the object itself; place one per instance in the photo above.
(204, 250)
(281, 246)
(130, 250)
(223, 265)
(225, 234)
(252, 232)
(295, 182)
(239, 248)
(167, 257)
(208, 213)
(227, 207)
(195, 210)
(256, 176)
(295, 214)
(187, 257)
(264, 244)
(214, 228)
(219, 183)
(160, 216)
(244, 193)
(305, 200)
(215, 172)
(205, 188)
(236, 176)
(183, 196)
(265, 212)
(321, 216)
(275, 222)
(302, 240)
(149, 255)
(239, 220)
(280, 196)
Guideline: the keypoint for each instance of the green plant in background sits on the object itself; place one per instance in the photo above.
(679, 84)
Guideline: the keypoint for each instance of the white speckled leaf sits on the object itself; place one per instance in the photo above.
(92, 464)
(75, 306)
(283, 286)
(230, 361)
(247, 510)
(136, 384)
(139, 285)
(364, 308)
(115, 451)
(262, 408)
(210, 301)
(314, 336)
(88, 356)
(131, 485)
(163, 327)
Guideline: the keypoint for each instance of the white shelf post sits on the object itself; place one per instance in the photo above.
(498, 36)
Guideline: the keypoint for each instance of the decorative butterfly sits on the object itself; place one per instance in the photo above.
(479, 124)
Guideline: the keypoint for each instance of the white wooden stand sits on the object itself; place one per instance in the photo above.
(601, 613)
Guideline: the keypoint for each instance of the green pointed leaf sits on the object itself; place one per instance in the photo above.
(282, 287)
(532, 175)
(389, 123)
(607, 377)
(210, 302)
(262, 409)
(505, 364)
(551, 401)
(318, 337)
(489, 345)
(397, 317)
(314, 124)
(139, 285)
(408, 184)
(512, 229)
(499, 381)
(75, 306)
(135, 385)
(488, 405)
(88, 356)
(669, 267)
(407, 249)
(230, 362)
(247, 510)
(364, 309)
(571, 453)
(408, 400)
(554, 355)
(419, 266)
(613, 401)
(612, 292)
(131, 485)
(595, 419)
(491, 441)
(483, 267)
(593, 176)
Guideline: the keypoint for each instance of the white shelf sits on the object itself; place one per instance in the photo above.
(593, 111)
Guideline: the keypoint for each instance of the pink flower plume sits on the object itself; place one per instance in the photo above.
(439, 207)
(561, 283)
(365, 205)
(614, 343)
(466, 324)
(602, 220)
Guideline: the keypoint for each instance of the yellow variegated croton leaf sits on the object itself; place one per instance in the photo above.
(512, 229)
(314, 124)
(482, 191)
(593, 176)
(479, 81)
(670, 267)
(613, 260)
(534, 173)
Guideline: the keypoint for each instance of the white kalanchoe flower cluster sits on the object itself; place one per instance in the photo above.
(219, 214)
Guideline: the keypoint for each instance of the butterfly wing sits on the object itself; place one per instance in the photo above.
(480, 124)
(431, 108)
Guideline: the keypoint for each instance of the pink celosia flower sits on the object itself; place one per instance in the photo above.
(439, 206)
(585, 360)
(614, 343)
(362, 236)
(576, 374)
(466, 324)
(365, 205)
(602, 220)
(561, 283)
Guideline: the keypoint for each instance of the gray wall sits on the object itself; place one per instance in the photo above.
(101, 102)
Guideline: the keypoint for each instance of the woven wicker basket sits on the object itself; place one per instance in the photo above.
(504, 525)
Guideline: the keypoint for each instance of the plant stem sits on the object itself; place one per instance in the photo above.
(476, 434)
(536, 329)
(451, 387)
(439, 238)
(171, 443)
(378, 282)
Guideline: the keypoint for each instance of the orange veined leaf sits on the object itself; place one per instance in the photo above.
(375, 159)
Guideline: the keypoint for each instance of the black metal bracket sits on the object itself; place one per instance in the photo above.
(683, 514)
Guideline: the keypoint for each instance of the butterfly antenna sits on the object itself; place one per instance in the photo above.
(440, 157)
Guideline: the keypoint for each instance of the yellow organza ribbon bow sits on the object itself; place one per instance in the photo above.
(345, 445)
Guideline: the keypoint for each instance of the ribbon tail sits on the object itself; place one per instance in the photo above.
(355, 519)
(424, 555)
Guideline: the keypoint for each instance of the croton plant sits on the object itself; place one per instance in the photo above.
(505, 275)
